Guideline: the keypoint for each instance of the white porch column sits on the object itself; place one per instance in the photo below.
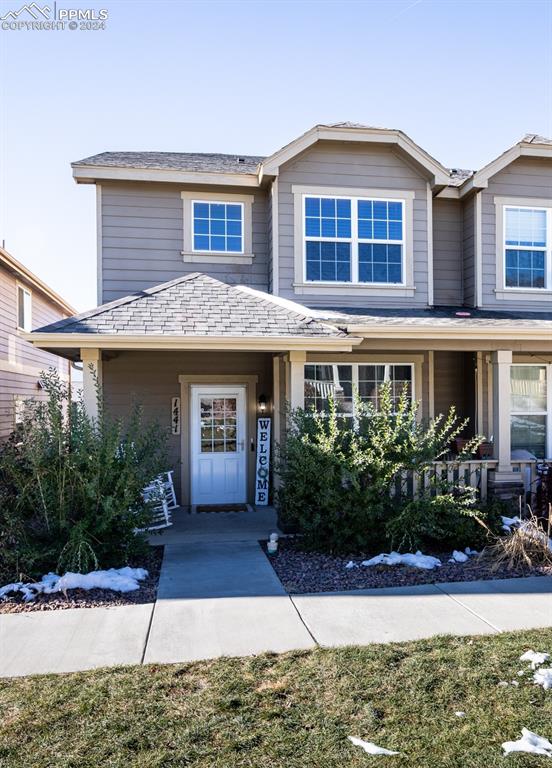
(91, 372)
(296, 360)
(502, 361)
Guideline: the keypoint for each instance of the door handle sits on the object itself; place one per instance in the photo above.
(252, 446)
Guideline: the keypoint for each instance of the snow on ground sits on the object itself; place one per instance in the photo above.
(529, 742)
(459, 557)
(370, 748)
(395, 558)
(117, 579)
(543, 677)
(535, 657)
(510, 522)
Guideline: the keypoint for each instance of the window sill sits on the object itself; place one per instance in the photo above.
(523, 294)
(198, 257)
(357, 289)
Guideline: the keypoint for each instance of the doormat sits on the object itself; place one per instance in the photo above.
(221, 508)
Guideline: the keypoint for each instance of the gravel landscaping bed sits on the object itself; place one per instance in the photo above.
(94, 598)
(301, 572)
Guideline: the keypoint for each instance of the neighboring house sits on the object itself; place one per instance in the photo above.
(348, 258)
(25, 303)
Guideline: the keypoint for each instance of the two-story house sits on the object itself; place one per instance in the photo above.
(348, 258)
(26, 302)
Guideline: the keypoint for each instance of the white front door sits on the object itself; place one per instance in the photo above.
(218, 456)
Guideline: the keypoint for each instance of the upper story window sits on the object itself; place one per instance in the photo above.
(24, 309)
(217, 227)
(354, 240)
(527, 247)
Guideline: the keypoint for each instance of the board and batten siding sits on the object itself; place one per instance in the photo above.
(524, 178)
(358, 166)
(20, 362)
(142, 239)
(447, 252)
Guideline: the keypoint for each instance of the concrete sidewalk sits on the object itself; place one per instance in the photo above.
(219, 596)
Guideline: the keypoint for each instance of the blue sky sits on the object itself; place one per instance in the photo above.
(463, 79)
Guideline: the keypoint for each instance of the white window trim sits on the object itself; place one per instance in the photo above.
(548, 411)
(190, 255)
(28, 322)
(411, 363)
(327, 287)
(502, 291)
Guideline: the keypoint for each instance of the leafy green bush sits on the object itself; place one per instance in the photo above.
(336, 474)
(70, 487)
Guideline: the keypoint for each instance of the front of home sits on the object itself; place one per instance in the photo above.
(231, 286)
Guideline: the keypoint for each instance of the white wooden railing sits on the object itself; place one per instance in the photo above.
(472, 473)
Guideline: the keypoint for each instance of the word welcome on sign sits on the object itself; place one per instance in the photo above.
(263, 462)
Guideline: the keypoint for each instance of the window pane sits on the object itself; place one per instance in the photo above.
(525, 269)
(379, 263)
(529, 433)
(380, 220)
(528, 388)
(525, 226)
(327, 217)
(323, 381)
(329, 261)
(218, 227)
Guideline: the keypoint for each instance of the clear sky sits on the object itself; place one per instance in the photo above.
(464, 79)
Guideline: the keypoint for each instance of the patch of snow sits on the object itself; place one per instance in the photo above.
(370, 748)
(515, 683)
(459, 557)
(117, 579)
(471, 552)
(535, 657)
(351, 564)
(510, 522)
(530, 742)
(460, 714)
(427, 562)
(502, 684)
(543, 677)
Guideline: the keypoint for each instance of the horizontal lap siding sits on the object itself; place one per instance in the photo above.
(526, 177)
(447, 252)
(355, 166)
(142, 239)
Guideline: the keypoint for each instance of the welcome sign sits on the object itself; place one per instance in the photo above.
(263, 462)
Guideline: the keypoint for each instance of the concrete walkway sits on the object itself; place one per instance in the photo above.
(219, 596)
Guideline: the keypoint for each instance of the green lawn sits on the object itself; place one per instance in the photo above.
(290, 711)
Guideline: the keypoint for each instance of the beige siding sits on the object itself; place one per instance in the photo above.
(151, 379)
(454, 377)
(447, 252)
(468, 261)
(142, 239)
(526, 177)
(357, 166)
(20, 362)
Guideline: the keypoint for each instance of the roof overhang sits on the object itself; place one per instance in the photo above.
(433, 332)
(20, 271)
(438, 174)
(106, 341)
(91, 174)
(480, 179)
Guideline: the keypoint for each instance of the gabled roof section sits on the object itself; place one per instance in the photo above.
(20, 271)
(347, 131)
(531, 145)
(195, 305)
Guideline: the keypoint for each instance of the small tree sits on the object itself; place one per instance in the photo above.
(71, 486)
(336, 472)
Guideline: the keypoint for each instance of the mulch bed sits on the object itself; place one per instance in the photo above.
(94, 598)
(302, 572)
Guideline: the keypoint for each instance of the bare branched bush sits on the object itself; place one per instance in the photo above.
(527, 546)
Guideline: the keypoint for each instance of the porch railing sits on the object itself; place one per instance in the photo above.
(472, 473)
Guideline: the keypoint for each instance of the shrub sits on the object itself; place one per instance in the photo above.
(71, 487)
(336, 474)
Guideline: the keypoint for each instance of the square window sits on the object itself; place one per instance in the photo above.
(395, 230)
(312, 227)
(328, 228)
(223, 222)
(395, 211)
(380, 230)
(201, 226)
(201, 243)
(312, 206)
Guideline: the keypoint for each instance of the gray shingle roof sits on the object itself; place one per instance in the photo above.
(458, 176)
(534, 138)
(196, 305)
(181, 161)
(447, 317)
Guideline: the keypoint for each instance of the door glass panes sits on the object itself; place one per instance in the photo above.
(218, 424)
